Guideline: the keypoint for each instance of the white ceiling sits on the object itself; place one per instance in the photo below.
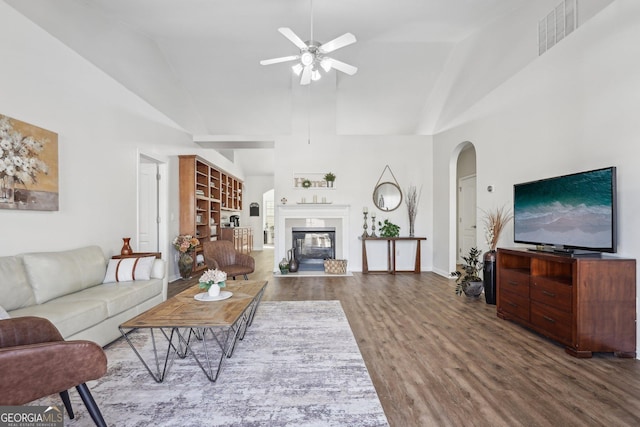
(197, 61)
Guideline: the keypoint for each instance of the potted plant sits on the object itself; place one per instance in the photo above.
(329, 177)
(212, 280)
(388, 229)
(470, 282)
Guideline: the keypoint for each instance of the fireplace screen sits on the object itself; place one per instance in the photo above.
(313, 246)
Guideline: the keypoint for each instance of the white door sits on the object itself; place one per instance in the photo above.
(466, 216)
(148, 209)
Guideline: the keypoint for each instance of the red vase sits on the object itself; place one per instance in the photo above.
(126, 249)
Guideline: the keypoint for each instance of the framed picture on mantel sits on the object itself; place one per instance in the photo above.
(28, 166)
(311, 180)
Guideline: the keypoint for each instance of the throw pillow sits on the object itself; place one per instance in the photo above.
(128, 269)
(4, 314)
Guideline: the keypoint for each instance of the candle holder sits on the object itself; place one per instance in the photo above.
(364, 234)
(373, 225)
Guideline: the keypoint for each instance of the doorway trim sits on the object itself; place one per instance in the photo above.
(162, 199)
(453, 202)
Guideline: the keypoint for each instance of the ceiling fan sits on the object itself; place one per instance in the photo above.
(313, 55)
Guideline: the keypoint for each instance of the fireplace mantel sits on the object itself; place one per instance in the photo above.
(311, 212)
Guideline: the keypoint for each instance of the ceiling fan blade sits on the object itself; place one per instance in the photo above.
(341, 66)
(305, 79)
(288, 33)
(278, 60)
(342, 41)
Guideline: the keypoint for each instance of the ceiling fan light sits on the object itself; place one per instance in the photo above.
(297, 69)
(326, 64)
(306, 58)
(315, 75)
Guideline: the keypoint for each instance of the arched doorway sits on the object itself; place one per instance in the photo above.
(465, 211)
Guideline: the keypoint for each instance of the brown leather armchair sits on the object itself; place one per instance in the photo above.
(35, 361)
(222, 255)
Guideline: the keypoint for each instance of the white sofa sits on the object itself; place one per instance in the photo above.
(67, 288)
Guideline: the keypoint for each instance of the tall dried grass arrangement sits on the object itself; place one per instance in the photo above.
(412, 199)
(494, 222)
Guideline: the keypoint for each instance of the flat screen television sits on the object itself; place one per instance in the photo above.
(570, 213)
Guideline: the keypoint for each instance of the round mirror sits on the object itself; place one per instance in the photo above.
(387, 196)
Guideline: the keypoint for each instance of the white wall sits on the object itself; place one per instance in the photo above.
(358, 162)
(102, 128)
(572, 109)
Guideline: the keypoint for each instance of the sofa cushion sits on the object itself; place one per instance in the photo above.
(3, 313)
(118, 296)
(127, 269)
(15, 291)
(53, 274)
(68, 316)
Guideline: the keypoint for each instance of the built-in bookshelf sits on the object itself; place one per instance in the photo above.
(205, 192)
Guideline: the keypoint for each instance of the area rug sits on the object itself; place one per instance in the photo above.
(298, 365)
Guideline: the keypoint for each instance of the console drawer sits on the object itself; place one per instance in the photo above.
(551, 292)
(551, 322)
(514, 305)
(514, 281)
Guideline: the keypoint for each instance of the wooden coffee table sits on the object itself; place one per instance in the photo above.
(184, 321)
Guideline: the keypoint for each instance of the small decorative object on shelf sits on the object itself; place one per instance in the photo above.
(212, 281)
(365, 211)
(330, 178)
(373, 224)
(126, 248)
(470, 283)
(306, 183)
(412, 199)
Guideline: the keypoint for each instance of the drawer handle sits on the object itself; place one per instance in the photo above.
(511, 282)
(548, 319)
(512, 304)
(549, 294)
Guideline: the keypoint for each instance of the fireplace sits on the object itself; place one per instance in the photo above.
(312, 216)
(313, 245)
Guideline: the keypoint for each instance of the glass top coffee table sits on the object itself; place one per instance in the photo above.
(182, 322)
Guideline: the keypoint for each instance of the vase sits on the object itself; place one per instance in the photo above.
(7, 189)
(293, 262)
(126, 249)
(473, 289)
(411, 231)
(489, 276)
(185, 264)
(214, 290)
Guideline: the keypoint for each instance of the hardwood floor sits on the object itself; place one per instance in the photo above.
(437, 359)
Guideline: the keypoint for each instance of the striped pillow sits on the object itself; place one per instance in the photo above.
(128, 269)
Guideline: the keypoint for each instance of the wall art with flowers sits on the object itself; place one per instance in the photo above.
(28, 166)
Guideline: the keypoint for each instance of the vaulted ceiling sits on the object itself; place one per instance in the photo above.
(197, 61)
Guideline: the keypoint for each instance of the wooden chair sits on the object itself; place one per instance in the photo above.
(35, 361)
(222, 255)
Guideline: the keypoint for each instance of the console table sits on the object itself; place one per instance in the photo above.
(391, 254)
(587, 304)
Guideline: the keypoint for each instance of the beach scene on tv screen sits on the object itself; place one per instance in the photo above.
(574, 210)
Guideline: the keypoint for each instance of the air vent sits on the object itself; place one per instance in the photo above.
(558, 24)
